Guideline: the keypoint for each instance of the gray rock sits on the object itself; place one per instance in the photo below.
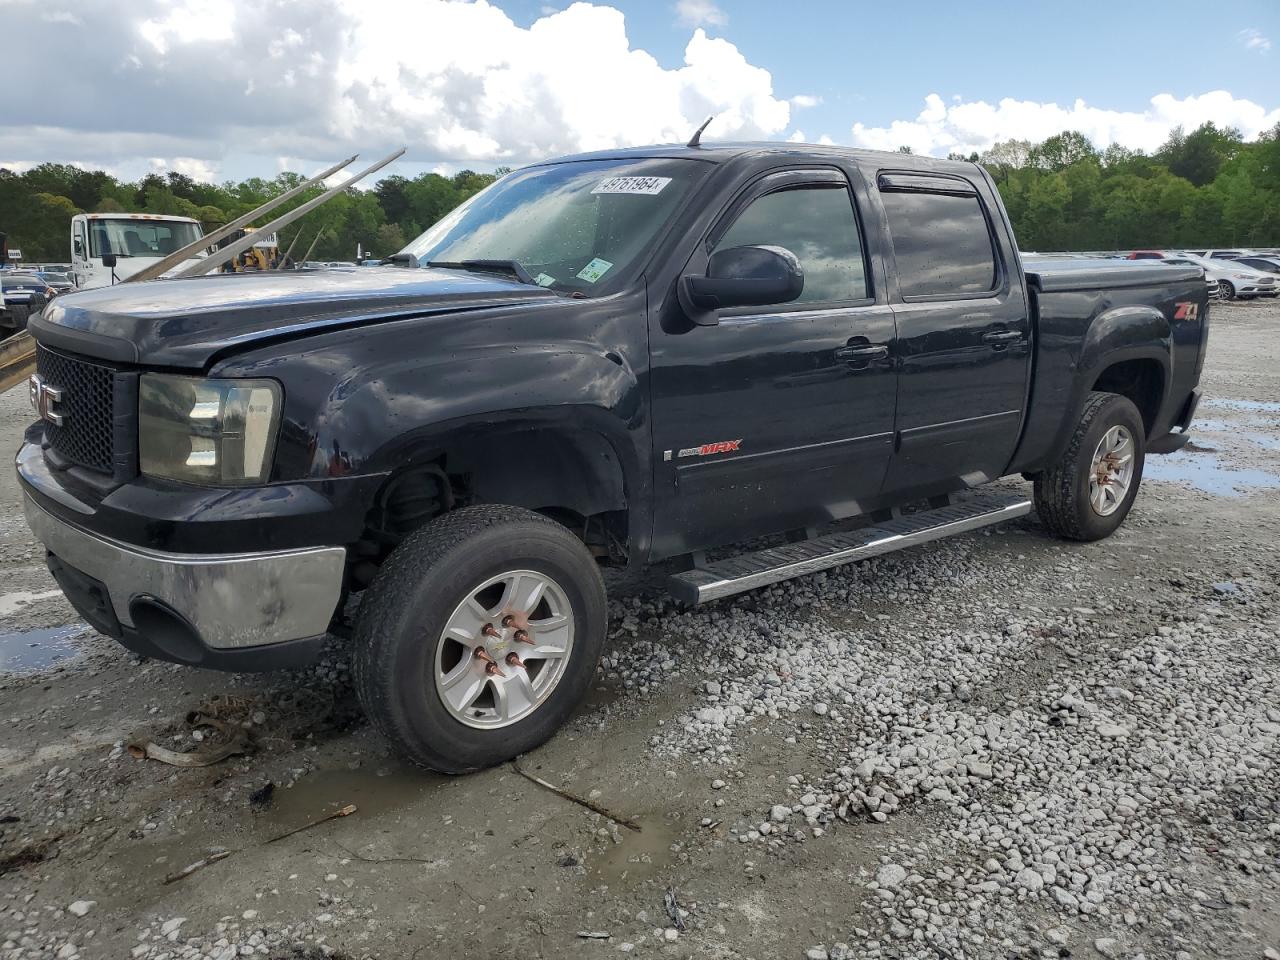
(1112, 731)
(1029, 880)
(890, 876)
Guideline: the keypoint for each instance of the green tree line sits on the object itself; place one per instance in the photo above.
(1206, 188)
(36, 207)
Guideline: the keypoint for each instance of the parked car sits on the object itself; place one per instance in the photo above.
(60, 282)
(25, 294)
(1234, 279)
(1220, 254)
(686, 348)
(1146, 255)
(1267, 264)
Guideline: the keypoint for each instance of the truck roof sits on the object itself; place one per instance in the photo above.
(720, 152)
(134, 216)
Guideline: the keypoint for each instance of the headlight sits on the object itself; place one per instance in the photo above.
(207, 431)
(1241, 276)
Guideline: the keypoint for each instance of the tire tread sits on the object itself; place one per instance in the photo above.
(1055, 489)
(377, 630)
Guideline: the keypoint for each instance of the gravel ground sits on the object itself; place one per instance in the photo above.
(1002, 745)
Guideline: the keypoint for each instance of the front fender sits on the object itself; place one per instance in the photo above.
(371, 402)
(377, 419)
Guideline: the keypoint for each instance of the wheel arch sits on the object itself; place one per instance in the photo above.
(577, 465)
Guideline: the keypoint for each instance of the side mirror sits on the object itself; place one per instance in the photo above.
(751, 276)
(109, 260)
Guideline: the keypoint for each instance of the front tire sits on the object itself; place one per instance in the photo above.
(1087, 494)
(479, 636)
(1226, 290)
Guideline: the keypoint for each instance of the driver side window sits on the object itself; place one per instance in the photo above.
(817, 224)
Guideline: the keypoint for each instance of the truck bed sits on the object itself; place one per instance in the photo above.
(1079, 307)
(1050, 275)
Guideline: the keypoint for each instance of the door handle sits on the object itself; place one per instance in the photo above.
(862, 354)
(1002, 338)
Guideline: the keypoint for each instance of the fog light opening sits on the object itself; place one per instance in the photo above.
(167, 629)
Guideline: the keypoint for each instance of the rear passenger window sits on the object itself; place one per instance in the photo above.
(817, 225)
(942, 244)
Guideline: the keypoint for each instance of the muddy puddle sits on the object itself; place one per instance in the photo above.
(374, 792)
(29, 651)
(1206, 472)
(1265, 406)
(1250, 430)
(638, 856)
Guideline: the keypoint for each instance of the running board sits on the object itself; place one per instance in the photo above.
(748, 571)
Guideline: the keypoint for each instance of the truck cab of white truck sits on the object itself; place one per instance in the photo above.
(136, 239)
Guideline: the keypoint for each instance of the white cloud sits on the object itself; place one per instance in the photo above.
(804, 100)
(1253, 39)
(456, 82)
(700, 13)
(190, 21)
(975, 125)
(469, 82)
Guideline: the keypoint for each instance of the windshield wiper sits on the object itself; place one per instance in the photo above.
(511, 267)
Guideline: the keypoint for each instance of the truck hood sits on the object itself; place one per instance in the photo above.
(186, 323)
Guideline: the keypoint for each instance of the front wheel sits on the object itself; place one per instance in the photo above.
(1226, 290)
(479, 636)
(1087, 494)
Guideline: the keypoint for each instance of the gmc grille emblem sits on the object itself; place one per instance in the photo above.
(43, 398)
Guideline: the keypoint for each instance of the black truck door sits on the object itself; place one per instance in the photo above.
(780, 416)
(963, 332)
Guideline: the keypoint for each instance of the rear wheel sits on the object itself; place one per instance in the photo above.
(1089, 492)
(20, 312)
(479, 636)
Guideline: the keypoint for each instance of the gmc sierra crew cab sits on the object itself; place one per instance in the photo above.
(623, 358)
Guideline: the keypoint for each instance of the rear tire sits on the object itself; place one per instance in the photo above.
(20, 313)
(418, 677)
(1089, 492)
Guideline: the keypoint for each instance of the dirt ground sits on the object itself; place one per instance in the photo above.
(496, 865)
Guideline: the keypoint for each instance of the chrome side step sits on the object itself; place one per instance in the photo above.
(751, 570)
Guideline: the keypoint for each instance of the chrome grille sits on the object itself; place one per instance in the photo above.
(87, 406)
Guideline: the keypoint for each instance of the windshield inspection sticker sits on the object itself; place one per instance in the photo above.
(544, 280)
(594, 270)
(642, 186)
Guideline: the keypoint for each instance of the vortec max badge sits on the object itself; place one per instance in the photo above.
(707, 449)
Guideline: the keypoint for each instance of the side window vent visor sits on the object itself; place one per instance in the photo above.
(898, 182)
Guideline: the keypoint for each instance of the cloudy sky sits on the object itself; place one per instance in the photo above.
(220, 89)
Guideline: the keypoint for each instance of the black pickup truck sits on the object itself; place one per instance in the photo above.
(624, 358)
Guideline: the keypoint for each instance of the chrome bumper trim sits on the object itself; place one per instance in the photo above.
(232, 600)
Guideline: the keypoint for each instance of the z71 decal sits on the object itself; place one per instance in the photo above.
(1186, 311)
(706, 450)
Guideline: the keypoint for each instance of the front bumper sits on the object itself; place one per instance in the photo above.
(239, 611)
(1250, 288)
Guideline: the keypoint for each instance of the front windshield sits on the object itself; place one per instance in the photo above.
(140, 238)
(574, 226)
